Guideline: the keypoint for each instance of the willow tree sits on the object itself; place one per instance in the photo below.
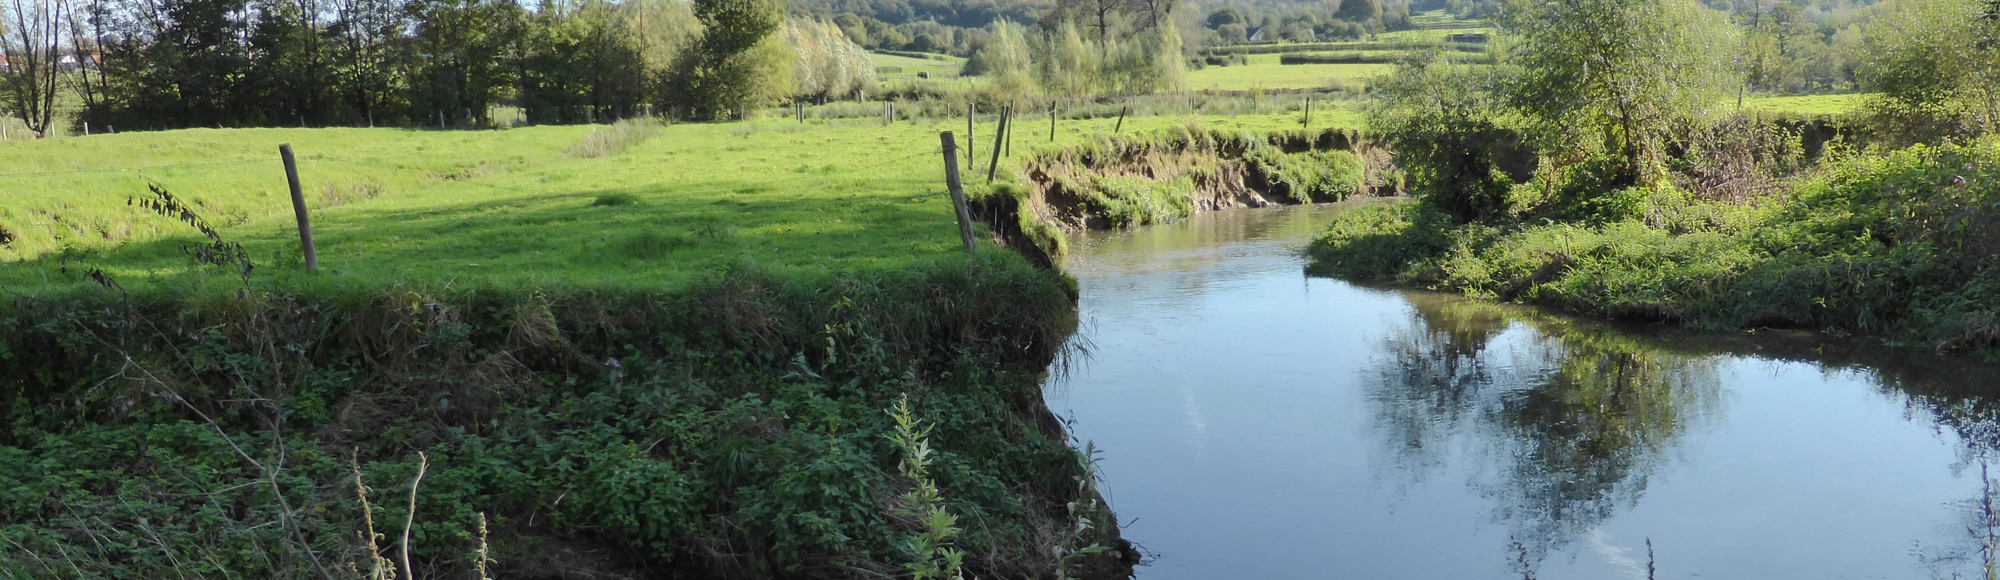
(1006, 61)
(1621, 77)
(827, 64)
(1068, 65)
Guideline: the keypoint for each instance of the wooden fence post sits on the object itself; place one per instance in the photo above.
(998, 136)
(1309, 114)
(971, 114)
(299, 207)
(1008, 128)
(1121, 119)
(1052, 121)
(957, 193)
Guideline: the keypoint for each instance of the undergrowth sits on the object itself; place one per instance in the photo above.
(1900, 245)
(736, 427)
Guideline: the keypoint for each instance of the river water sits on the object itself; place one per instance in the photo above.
(1253, 422)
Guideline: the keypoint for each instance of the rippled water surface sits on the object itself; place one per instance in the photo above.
(1253, 422)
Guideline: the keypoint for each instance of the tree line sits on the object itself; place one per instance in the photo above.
(147, 64)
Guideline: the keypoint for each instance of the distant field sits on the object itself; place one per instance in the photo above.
(1264, 71)
(1806, 104)
(948, 67)
(508, 206)
(1432, 35)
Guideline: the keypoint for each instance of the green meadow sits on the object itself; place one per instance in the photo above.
(511, 206)
(1835, 104)
(938, 66)
(1265, 72)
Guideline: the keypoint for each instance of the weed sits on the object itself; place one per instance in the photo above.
(930, 548)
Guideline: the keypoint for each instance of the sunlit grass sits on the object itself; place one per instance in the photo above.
(509, 207)
(1265, 72)
(1806, 104)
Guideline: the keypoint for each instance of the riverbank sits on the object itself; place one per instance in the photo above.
(622, 365)
(1898, 245)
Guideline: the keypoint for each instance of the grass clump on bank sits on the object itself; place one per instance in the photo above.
(1899, 245)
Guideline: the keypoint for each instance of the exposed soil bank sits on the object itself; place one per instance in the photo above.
(1157, 178)
(736, 428)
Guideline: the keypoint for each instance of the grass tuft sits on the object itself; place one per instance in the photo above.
(615, 200)
(615, 139)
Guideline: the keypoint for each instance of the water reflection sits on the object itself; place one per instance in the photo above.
(1574, 430)
(1259, 423)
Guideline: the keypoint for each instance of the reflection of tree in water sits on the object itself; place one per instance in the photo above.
(1583, 438)
(1432, 380)
(1575, 421)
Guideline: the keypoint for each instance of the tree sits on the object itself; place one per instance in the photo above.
(459, 68)
(1359, 10)
(1444, 123)
(581, 62)
(1617, 76)
(722, 74)
(1936, 67)
(1226, 16)
(828, 65)
(1067, 65)
(31, 41)
(1006, 61)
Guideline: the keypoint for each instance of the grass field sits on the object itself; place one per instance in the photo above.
(510, 207)
(1806, 104)
(1265, 72)
(943, 66)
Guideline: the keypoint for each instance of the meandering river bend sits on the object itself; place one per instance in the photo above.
(1253, 422)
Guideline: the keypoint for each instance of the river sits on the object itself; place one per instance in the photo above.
(1253, 422)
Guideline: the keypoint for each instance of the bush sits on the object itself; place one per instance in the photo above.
(1379, 242)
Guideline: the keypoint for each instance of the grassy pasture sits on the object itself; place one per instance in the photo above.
(948, 66)
(1264, 71)
(1806, 104)
(510, 207)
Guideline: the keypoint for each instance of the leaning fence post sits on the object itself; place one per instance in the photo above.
(299, 207)
(1121, 119)
(957, 193)
(998, 136)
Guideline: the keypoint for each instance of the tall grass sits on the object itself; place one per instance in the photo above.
(615, 138)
